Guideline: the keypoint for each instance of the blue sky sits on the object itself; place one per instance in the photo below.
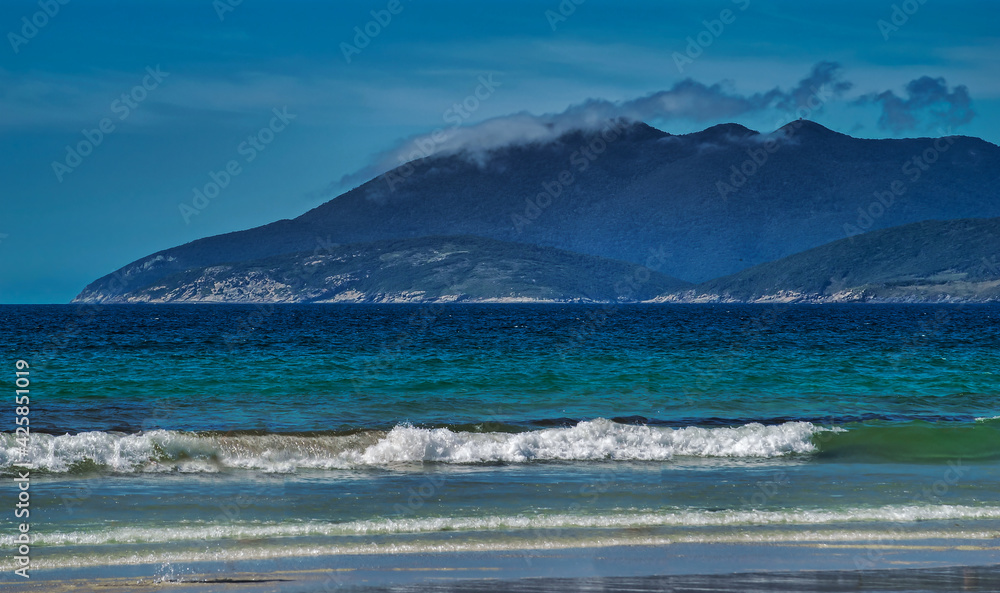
(201, 90)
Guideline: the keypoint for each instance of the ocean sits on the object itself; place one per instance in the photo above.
(163, 436)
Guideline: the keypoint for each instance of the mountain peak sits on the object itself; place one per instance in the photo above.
(638, 130)
(722, 133)
(806, 127)
(633, 130)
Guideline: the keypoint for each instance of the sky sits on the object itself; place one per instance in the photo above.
(121, 119)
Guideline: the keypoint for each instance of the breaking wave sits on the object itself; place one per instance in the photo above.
(600, 439)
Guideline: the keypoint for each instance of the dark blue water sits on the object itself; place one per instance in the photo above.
(331, 368)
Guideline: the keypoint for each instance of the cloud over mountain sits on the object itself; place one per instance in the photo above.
(687, 99)
(929, 104)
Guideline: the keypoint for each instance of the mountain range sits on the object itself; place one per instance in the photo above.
(621, 212)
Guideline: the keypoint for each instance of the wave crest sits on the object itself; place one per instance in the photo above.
(594, 440)
(390, 526)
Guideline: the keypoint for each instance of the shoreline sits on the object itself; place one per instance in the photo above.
(856, 565)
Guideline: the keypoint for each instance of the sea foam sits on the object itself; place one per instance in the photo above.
(600, 439)
(204, 531)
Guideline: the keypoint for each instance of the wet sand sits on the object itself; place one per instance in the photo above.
(913, 566)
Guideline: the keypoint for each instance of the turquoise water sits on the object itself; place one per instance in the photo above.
(172, 434)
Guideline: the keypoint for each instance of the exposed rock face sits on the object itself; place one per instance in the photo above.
(430, 269)
(932, 261)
